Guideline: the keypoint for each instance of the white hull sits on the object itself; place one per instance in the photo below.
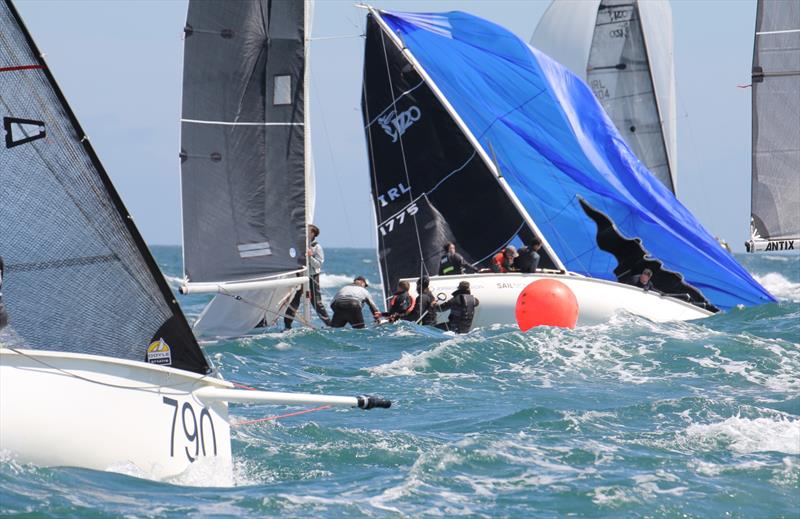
(64, 409)
(598, 299)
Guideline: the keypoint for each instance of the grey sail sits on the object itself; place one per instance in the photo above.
(775, 196)
(243, 149)
(619, 73)
(77, 276)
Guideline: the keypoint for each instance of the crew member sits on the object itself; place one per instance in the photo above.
(3, 314)
(642, 280)
(347, 304)
(528, 257)
(402, 304)
(425, 310)
(462, 309)
(316, 257)
(452, 262)
(503, 261)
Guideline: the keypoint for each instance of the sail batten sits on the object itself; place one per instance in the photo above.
(79, 277)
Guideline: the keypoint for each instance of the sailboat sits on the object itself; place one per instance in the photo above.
(775, 192)
(623, 50)
(246, 165)
(476, 138)
(98, 366)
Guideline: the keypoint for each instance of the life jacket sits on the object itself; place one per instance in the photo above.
(425, 311)
(462, 311)
(499, 261)
(398, 302)
(446, 265)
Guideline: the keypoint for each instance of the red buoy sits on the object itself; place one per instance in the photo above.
(546, 302)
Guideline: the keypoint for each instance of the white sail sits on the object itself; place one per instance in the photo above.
(623, 49)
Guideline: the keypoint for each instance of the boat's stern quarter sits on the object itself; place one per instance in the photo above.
(137, 418)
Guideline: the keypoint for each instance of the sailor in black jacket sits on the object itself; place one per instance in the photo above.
(425, 310)
(462, 309)
(452, 262)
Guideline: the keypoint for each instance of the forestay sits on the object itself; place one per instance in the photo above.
(775, 202)
(78, 277)
(556, 147)
(623, 49)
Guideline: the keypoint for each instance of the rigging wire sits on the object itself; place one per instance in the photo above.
(276, 314)
(422, 266)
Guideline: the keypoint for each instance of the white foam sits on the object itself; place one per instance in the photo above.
(779, 286)
(340, 280)
(409, 363)
(746, 435)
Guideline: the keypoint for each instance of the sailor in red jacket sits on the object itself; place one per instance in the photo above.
(503, 261)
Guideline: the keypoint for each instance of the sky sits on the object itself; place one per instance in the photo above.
(119, 65)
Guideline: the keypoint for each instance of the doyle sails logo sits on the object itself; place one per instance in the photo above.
(159, 353)
(395, 124)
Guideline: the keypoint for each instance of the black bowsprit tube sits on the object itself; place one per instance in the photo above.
(370, 402)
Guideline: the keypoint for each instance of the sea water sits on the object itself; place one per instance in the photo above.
(627, 418)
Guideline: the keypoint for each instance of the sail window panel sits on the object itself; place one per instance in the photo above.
(282, 90)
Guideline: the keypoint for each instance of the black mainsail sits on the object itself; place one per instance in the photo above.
(426, 177)
(775, 195)
(246, 177)
(78, 277)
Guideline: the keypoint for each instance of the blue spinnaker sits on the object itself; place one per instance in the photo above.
(555, 144)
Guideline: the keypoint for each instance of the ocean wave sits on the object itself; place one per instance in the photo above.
(339, 280)
(779, 286)
(749, 435)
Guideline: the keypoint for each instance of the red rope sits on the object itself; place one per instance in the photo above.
(21, 67)
(278, 417)
(236, 384)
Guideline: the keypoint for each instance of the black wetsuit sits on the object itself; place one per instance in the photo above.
(528, 260)
(3, 314)
(347, 305)
(425, 311)
(454, 263)
(462, 311)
